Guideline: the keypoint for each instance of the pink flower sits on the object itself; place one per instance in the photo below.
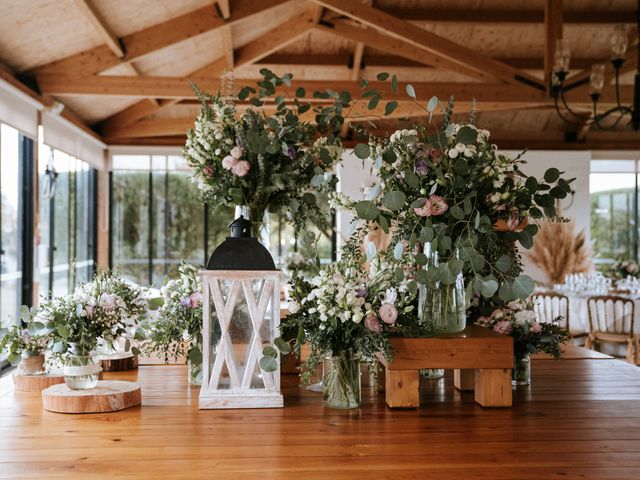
(372, 323)
(513, 221)
(497, 313)
(241, 168)
(536, 327)
(434, 205)
(388, 313)
(229, 162)
(236, 152)
(504, 327)
(484, 321)
(195, 299)
(436, 155)
(208, 171)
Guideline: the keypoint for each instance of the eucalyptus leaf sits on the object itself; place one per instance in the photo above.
(366, 210)
(489, 288)
(390, 107)
(282, 345)
(467, 135)
(432, 104)
(551, 175)
(522, 286)
(503, 264)
(411, 91)
(394, 200)
(268, 364)
(362, 151)
(398, 250)
(457, 212)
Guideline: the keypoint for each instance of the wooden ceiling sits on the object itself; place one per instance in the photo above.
(122, 66)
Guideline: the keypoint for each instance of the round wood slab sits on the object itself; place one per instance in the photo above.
(118, 362)
(107, 396)
(36, 383)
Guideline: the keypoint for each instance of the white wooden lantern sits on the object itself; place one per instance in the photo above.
(241, 313)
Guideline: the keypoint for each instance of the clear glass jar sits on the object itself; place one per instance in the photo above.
(341, 384)
(432, 372)
(521, 373)
(441, 308)
(261, 230)
(31, 363)
(81, 369)
(194, 367)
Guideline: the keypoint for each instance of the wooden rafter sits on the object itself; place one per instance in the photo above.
(225, 8)
(156, 37)
(172, 87)
(101, 26)
(552, 33)
(395, 46)
(428, 41)
(268, 43)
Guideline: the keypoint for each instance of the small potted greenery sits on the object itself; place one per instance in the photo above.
(25, 345)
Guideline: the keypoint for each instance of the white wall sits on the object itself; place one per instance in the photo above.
(574, 164)
(354, 174)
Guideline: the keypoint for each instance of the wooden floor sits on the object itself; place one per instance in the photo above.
(580, 419)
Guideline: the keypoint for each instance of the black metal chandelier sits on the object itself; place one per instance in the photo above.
(619, 45)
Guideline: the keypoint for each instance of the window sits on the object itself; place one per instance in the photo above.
(613, 189)
(16, 217)
(66, 222)
(157, 220)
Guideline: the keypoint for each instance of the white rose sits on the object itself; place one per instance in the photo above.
(525, 316)
(293, 307)
(357, 317)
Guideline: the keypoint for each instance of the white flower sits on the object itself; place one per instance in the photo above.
(515, 305)
(107, 302)
(524, 316)
(357, 317)
(294, 307)
(391, 295)
(453, 153)
(236, 152)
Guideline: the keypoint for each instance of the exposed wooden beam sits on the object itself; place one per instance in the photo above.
(172, 87)
(552, 33)
(428, 41)
(225, 8)
(101, 26)
(156, 37)
(253, 51)
(394, 46)
(227, 45)
(483, 16)
(390, 61)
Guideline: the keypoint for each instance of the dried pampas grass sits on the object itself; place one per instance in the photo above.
(558, 251)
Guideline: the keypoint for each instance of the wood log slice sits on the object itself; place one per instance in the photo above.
(107, 396)
(118, 362)
(36, 383)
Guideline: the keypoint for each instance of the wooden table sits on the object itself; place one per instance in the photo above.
(580, 419)
(482, 360)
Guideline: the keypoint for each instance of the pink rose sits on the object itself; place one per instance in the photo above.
(434, 205)
(388, 313)
(236, 152)
(208, 171)
(536, 327)
(229, 162)
(372, 323)
(504, 327)
(241, 168)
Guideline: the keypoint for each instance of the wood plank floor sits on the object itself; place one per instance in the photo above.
(579, 419)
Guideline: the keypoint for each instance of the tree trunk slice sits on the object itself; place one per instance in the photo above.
(107, 396)
(35, 383)
(118, 362)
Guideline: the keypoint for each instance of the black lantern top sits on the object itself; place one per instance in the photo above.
(240, 251)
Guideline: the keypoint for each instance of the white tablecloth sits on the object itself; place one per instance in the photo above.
(579, 313)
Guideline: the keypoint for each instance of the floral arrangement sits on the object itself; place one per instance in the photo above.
(177, 332)
(452, 188)
(624, 268)
(347, 310)
(18, 341)
(100, 309)
(518, 320)
(267, 162)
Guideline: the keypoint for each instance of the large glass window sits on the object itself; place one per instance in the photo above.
(66, 222)
(613, 188)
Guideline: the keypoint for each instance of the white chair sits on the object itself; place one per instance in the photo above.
(611, 320)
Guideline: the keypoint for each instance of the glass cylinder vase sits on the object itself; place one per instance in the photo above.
(194, 363)
(521, 373)
(261, 230)
(81, 369)
(341, 384)
(31, 363)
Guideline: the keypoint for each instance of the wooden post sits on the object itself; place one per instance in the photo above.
(493, 387)
(464, 379)
(402, 388)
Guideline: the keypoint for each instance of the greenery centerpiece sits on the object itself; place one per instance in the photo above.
(177, 332)
(26, 342)
(518, 319)
(267, 162)
(98, 310)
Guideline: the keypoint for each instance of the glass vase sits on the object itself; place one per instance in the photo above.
(31, 363)
(521, 373)
(261, 230)
(194, 363)
(341, 384)
(81, 369)
(432, 373)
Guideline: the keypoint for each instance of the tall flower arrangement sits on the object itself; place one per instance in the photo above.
(274, 162)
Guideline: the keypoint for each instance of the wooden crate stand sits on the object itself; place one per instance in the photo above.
(482, 361)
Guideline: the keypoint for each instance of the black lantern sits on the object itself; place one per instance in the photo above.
(240, 251)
